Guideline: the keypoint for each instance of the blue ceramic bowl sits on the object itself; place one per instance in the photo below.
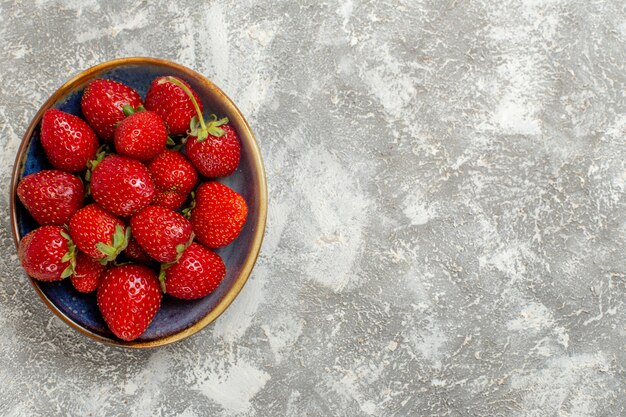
(176, 319)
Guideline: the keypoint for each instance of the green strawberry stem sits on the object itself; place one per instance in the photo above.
(201, 132)
(179, 250)
(128, 110)
(162, 276)
(192, 205)
(70, 257)
(120, 241)
(173, 145)
(102, 152)
(181, 247)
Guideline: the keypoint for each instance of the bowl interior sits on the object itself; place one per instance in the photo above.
(175, 316)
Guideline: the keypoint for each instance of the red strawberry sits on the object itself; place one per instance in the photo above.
(141, 135)
(68, 141)
(134, 252)
(102, 104)
(121, 185)
(174, 178)
(87, 273)
(98, 233)
(218, 154)
(129, 298)
(172, 103)
(51, 196)
(162, 233)
(198, 273)
(219, 214)
(168, 199)
(47, 253)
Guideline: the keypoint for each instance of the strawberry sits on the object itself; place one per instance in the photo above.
(51, 196)
(219, 214)
(129, 298)
(168, 199)
(141, 135)
(134, 252)
(162, 233)
(69, 142)
(174, 178)
(197, 274)
(98, 233)
(102, 104)
(217, 154)
(47, 253)
(172, 103)
(87, 273)
(121, 185)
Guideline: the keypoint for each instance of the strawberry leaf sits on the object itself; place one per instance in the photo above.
(67, 272)
(187, 211)
(127, 236)
(120, 241)
(162, 276)
(197, 130)
(103, 152)
(213, 128)
(118, 236)
(107, 250)
(70, 255)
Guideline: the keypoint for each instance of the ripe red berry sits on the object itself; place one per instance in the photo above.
(219, 214)
(69, 143)
(174, 178)
(87, 273)
(134, 252)
(121, 185)
(128, 298)
(102, 105)
(98, 233)
(162, 233)
(45, 254)
(198, 273)
(168, 199)
(51, 196)
(141, 135)
(172, 103)
(215, 156)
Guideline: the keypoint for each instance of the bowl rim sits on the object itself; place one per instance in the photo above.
(258, 169)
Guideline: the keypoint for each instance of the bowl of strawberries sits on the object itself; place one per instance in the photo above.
(138, 202)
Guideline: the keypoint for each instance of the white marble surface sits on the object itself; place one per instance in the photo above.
(447, 221)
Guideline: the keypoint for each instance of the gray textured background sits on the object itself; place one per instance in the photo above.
(447, 221)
